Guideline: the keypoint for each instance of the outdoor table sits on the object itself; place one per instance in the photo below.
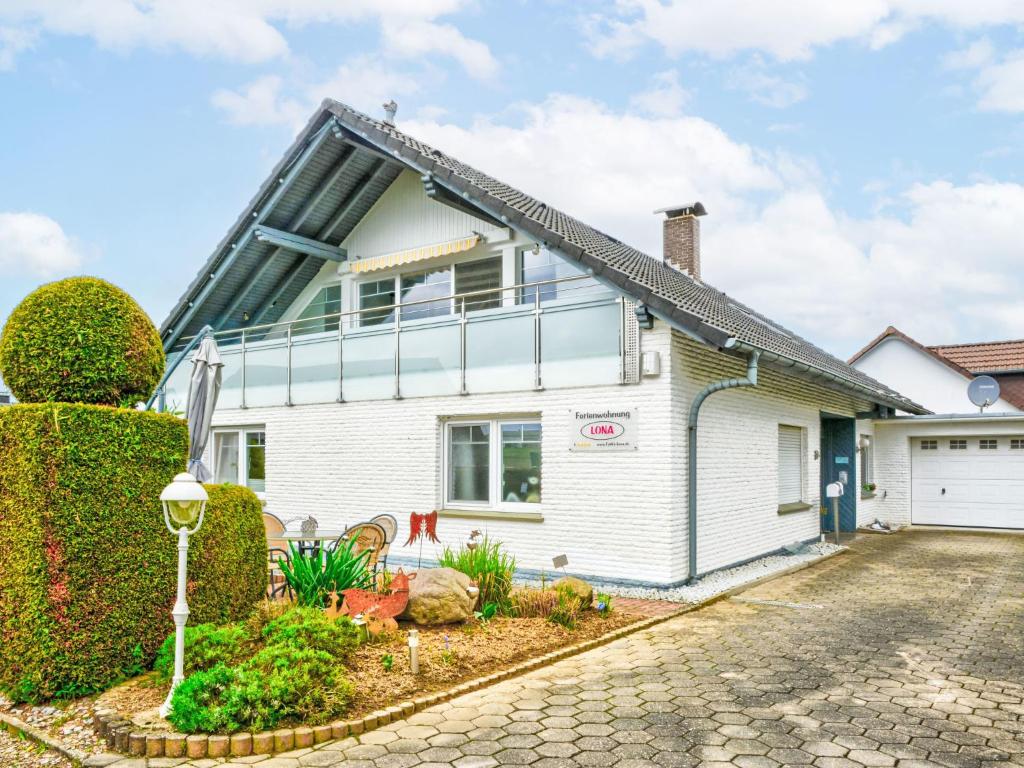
(308, 543)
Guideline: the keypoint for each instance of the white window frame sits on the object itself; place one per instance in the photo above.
(803, 464)
(243, 453)
(494, 456)
(867, 460)
(418, 268)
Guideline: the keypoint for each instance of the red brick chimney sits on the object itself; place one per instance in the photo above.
(681, 237)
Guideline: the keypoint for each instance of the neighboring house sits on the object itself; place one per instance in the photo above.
(5, 394)
(962, 468)
(402, 332)
(937, 376)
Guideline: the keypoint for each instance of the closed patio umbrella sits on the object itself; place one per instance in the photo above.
(203, 389)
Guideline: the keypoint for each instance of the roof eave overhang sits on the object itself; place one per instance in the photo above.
(311, 133)
(686, 322)
(819, 376)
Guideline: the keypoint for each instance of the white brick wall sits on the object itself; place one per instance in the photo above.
(609, 514)
(620, 515)
(737, 456)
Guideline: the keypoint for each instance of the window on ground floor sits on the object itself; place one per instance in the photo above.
(492, 463)
(988, 444)
(867, 460)
(239, 457)
(791, 464)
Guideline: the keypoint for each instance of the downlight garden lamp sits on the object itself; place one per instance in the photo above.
(184, 503)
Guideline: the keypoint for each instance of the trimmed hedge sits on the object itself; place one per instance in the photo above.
(87, 566)
(227, 564)
(80, 340)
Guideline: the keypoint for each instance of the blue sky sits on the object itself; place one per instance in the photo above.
(862, 165)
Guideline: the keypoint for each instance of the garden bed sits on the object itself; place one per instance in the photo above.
(448, 656)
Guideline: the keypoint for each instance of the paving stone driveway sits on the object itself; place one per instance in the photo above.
(906, 651)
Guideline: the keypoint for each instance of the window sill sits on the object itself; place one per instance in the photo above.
(794, 506)
(492, 514)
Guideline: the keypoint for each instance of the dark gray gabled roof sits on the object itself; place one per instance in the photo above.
(691, 305)
(246, 273)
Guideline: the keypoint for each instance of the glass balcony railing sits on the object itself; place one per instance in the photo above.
(559, 333)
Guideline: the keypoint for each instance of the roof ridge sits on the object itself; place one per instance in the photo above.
(975, 344)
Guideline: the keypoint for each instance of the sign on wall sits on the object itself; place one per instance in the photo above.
(604, 431)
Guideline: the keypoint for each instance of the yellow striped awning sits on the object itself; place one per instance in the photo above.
(424, 252)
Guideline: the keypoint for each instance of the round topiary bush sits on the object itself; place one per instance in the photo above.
(80, 340)
(227, 569)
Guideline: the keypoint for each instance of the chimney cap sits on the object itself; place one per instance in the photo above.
(688, 209)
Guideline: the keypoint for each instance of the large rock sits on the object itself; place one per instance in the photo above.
(439, 596)
(578, 587)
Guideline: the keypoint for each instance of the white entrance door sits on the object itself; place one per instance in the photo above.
(968, 481)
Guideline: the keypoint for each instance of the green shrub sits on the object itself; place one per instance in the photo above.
(87, 568)
(311, 628)
(227, 569)
(314, 576)
(206, 645)
(488, 566)
(80, 340)
(295, 674)
(568, 608)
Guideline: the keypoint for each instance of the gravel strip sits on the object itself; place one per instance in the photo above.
(720, 581)
(18, 752)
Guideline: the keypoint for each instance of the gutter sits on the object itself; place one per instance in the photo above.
(874, 395)
(994, 416)
(691, 452)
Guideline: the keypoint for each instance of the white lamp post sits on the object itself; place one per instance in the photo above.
(184, 503)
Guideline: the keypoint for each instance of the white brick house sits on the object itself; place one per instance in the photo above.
(403, 333)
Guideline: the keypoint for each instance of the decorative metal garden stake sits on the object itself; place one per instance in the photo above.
(421, 526)
(184, 503)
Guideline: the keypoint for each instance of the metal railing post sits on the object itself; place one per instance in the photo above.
(537, 384)
(398, 353)
(243, 405)
(161, 400)
(462, 349)
(288, 399)
(341, 363)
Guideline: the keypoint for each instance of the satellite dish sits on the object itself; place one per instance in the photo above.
(983, 391)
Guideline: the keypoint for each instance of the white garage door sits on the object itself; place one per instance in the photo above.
(968, 481)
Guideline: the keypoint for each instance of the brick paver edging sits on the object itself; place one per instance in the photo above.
(120, 734)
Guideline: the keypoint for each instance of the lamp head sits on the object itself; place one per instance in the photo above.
(184, 501)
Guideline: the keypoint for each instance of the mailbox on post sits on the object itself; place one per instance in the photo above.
(833, 491)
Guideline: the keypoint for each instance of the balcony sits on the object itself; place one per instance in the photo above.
(568, 332)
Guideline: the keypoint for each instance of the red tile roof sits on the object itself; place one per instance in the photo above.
(985, 357)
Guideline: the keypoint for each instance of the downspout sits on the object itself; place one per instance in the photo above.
(691, 453)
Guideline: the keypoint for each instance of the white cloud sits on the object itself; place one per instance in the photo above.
(1000, 85)
(34, 244)
(783, 29)
(418, 37)
(13, 41)
(248, 31)
(941, 261)
(978, 54)
(665, 97)
(764, 88)
(362, 83)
